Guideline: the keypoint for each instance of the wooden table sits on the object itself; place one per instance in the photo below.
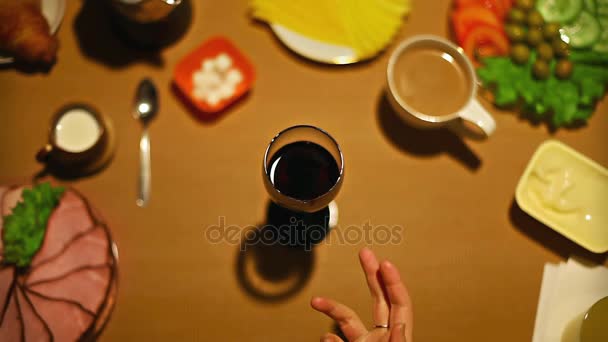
(471, 259)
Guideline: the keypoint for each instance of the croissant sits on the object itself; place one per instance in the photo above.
(25, 33)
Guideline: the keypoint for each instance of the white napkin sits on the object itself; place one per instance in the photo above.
(568, 290)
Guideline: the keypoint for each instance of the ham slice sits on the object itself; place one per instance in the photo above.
(67, 321)
(67, 291)
(34, 329)
(10, 199)
(2, 191)
(68, 220)
(88, 249)
(6, 281)
(85, 286)
(11, 327)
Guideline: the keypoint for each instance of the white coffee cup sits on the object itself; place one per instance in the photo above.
(472, 111)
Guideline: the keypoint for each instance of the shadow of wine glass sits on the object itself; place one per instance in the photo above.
(422, 142)
(275, 260)
(549, 238)
(116, 42)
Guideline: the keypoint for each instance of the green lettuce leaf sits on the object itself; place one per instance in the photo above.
(561, 102)
(24, 229)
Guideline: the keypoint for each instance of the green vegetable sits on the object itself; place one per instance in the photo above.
(602, 8)
(561, 11)
(603, 20)
(24, 228)
(584, 31)
(602, 44)
(568, 100)
(589, 57)
(590, 6)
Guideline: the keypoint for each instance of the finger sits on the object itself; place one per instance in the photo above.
(397, 333)
(347, 319)
(371, 268)
(331, 338)
(398, 296)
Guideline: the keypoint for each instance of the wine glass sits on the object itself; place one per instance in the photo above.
(303, 169)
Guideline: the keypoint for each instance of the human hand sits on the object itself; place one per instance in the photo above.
(392, 307)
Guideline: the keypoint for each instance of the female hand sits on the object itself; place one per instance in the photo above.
(392, 307)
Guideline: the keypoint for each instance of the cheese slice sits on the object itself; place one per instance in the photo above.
(367, 26)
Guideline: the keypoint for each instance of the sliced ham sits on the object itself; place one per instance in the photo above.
(66, 320)
(34, 329)
(6, 281)
(68, 220)
(86, 250)
(86, 286)
(10, 199)
(11, 328)
(64, 293)
(2, 191)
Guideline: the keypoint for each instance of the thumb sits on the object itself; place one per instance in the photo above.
(398, 333)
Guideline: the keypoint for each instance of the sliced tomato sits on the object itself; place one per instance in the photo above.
(496, 6)
(485, 39)
(465, 19)
(486, 50)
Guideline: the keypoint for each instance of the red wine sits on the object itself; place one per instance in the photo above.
(303, 170)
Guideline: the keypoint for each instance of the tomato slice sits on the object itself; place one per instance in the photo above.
(496, 6)
(485, 39)
(486, 50)
(465, 19)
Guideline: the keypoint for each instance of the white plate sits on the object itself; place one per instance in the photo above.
(313, 49)
(53, 11)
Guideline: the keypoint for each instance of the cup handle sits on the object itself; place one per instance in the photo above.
(43, 154)
(477, 115)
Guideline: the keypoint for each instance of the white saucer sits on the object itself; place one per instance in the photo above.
(313, 49)
(53, 11)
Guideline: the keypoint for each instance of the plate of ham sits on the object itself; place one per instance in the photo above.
(65, 290)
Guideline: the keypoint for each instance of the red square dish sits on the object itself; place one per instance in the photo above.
(192, 63)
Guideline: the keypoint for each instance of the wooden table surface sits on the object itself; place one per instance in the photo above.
(472, 260)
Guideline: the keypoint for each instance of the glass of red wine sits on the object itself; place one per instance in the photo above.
(303, 169)
(303, 172)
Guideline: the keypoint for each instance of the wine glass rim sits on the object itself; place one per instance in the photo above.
(273, 140)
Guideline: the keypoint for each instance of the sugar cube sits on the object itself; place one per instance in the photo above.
(223, 62)
(208, 65)
(199, 93)
(226, 91)
(213, 98)
(234, 77)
